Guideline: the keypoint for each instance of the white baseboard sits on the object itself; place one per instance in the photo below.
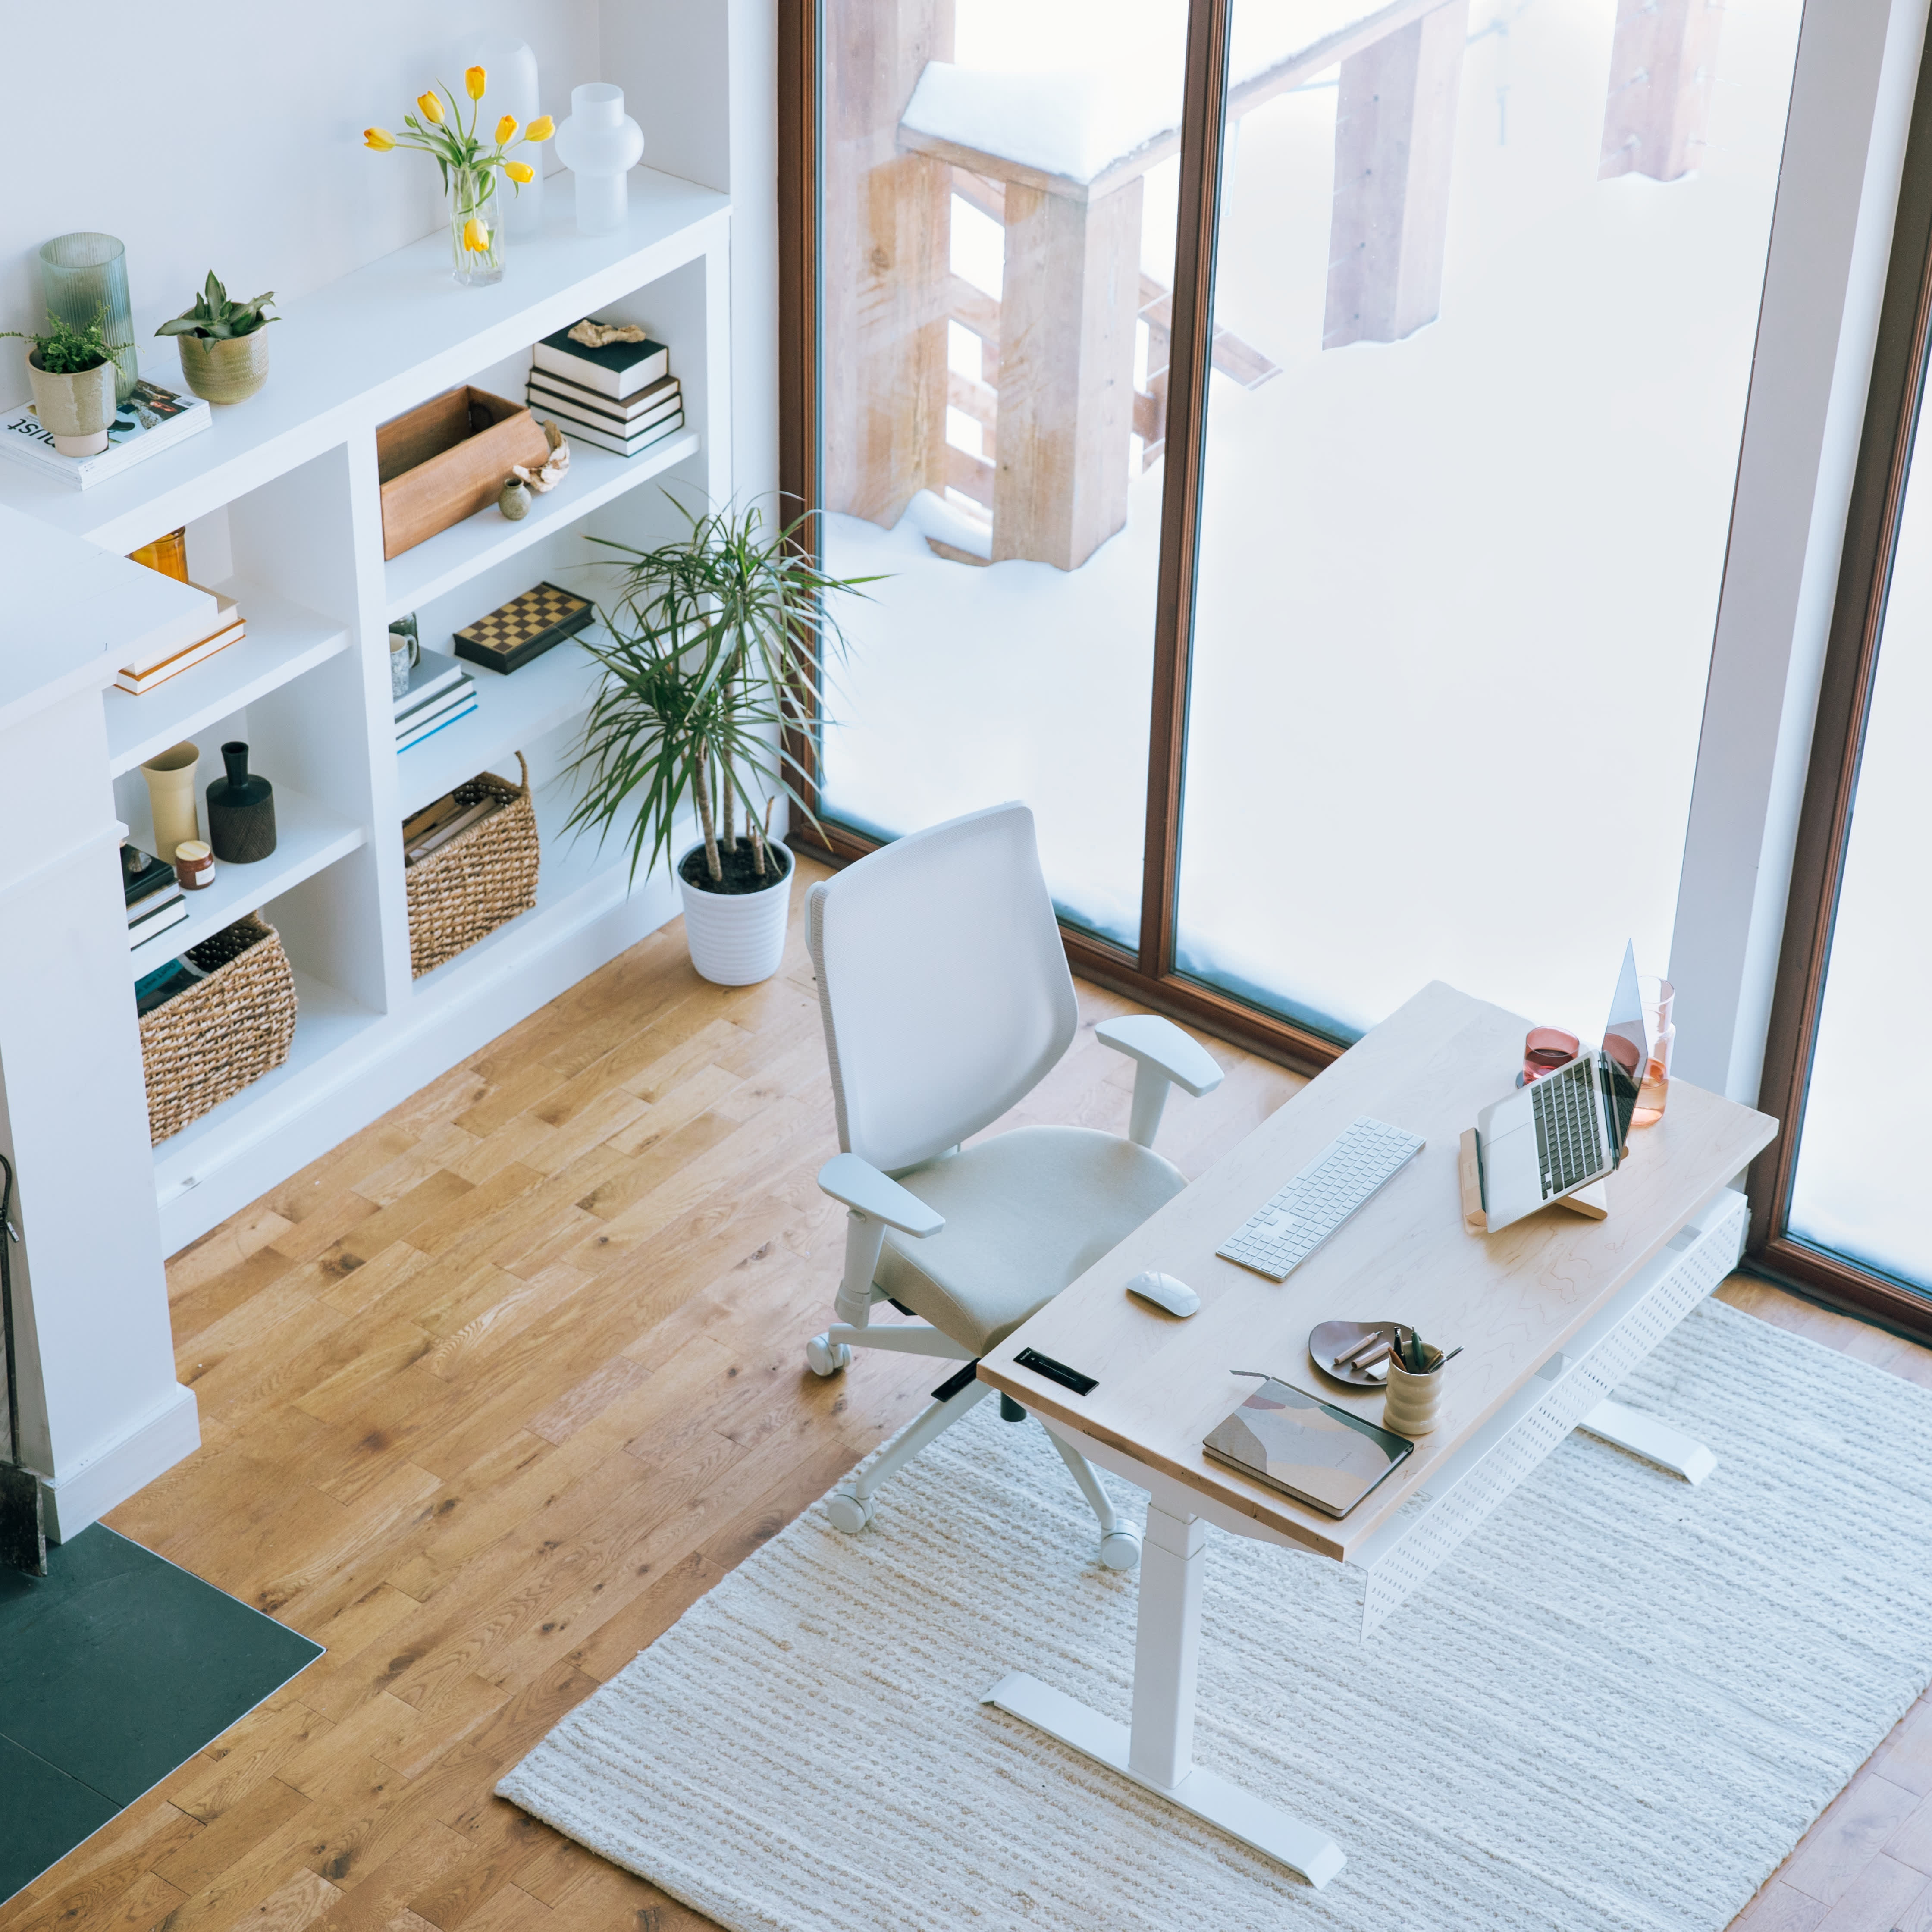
(152, 1445)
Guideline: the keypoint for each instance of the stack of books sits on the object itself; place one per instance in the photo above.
(184, 643)
(152, 419)
(155, 901)
(440, 692)
(621, 398)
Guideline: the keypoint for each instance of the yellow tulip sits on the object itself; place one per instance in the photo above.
(380, 139)
(506, 130)
(476, 236)
(520, 172)
(432, 108)
(541, 129)
(475, 80)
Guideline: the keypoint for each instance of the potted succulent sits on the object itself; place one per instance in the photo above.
(224, 355)
(711, 657)
(72, 372)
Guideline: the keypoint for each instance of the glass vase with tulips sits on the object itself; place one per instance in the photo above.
(474, 167)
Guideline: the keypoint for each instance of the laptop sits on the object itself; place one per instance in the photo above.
(1569, 1128)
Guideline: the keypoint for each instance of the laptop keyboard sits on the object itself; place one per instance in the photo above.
(1569, 1132)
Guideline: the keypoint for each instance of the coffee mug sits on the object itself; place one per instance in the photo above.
(405, 654)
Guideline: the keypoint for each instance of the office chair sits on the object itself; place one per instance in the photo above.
(946, 999)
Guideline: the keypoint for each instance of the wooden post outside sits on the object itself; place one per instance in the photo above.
(887, 240)
(1071, 298)
(1662, 63)
(1395, 142)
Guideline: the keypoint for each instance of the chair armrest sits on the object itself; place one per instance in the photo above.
(1160, 1044)
(1164, 1057)
(866, 1191)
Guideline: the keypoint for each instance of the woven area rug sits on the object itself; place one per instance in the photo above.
(1615, 1710)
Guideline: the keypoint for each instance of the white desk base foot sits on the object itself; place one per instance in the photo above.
(1302, 1848)
(1656, 1442)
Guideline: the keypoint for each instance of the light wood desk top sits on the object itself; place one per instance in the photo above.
(1510, 1300)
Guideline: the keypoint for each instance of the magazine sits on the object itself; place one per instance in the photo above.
(151, 420)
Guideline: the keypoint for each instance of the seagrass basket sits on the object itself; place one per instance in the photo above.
(222, 1033)
(482, 879)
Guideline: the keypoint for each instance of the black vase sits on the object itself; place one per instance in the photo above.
(241, 810)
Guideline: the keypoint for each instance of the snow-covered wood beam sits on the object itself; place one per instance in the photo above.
(885, 238)
(1395, 144)
(1663, 62)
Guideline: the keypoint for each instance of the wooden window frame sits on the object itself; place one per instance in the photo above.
(1146, 974)
(1894, 401)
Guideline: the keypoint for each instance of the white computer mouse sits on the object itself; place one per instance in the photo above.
(1165, 1291)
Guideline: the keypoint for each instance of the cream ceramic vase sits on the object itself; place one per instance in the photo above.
(75, 410)
(737, 939)
(1413, 1405)
(170, 779)
(227, 369)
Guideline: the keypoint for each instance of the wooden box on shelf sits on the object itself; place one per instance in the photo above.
(224, 1032)
(482, 878)
(448, 458)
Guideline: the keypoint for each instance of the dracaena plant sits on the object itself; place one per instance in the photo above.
(712, 656)
(215, 317)
(65, 350)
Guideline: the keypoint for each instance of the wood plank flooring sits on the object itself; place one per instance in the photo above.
(494, 1390)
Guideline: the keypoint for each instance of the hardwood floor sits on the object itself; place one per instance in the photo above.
(492, 1392)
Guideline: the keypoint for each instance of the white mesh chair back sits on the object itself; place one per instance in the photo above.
(943, 983)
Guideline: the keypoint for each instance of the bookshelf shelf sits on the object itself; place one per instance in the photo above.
(449, 560)
(283, 640)
(308, 836)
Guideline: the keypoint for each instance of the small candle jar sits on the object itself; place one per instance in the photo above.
(194, 865)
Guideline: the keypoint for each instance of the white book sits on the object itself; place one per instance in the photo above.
(542, 390)
(139, 682)
(151, 420)
(174, 912)
(600, 439)
(431, 729)
(144, 908)
(434, 671)
(152, 651)
(464, 693)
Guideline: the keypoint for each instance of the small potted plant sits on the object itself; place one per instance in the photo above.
(72, 372)
(224, 355)
(712, 661)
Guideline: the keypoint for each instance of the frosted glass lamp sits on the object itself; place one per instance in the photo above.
(512, 89)
(600, 144)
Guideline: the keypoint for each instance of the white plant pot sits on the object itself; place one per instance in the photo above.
(737, 939)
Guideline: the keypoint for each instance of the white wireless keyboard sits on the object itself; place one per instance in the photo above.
(1296, 1221)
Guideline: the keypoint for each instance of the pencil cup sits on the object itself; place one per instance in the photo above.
(1413, 1404)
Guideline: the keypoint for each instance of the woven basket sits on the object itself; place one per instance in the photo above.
(224, 1032)
(482, 879)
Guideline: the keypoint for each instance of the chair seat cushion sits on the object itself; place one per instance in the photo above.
(1026, 1212)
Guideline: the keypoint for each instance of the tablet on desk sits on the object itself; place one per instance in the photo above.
(1318, 1454)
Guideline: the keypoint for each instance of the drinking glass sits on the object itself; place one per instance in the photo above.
(84, 276)
(1660, 1037)
(1545, 1049)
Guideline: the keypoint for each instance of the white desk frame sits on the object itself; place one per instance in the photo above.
(1570, 1390)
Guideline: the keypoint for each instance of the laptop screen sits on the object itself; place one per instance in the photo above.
(1623, 1045)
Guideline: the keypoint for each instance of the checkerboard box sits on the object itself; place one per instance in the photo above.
(525, 627)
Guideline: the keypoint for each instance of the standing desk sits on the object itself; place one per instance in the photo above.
(1551, 1314)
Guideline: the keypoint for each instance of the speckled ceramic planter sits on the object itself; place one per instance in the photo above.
(74, 410)
(224, 369)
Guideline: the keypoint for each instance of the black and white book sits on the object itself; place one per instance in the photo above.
(152, 419)
(545, 392)
(434, 673)
(464, 709)
(619, 369)
(166, 913)
(601, 439)
(142, 873)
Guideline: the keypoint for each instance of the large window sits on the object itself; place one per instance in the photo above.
(1297, 440)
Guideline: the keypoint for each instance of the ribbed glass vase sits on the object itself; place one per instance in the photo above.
(86, 275)
(476, 227)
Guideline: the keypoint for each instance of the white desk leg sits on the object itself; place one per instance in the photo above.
(1158, 1750)
(1656, 1442)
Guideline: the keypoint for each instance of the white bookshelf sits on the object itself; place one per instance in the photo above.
(282, 503)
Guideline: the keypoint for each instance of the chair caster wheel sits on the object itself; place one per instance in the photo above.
(1120, 1550)
(823, 1357)
(850, 1514)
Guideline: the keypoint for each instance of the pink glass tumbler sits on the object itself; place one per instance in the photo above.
(1660, 1039)
(1545, 1049)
